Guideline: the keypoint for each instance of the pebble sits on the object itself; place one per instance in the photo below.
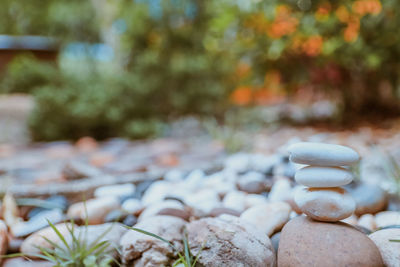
(315, 176)
(238, 162)
(280, 191)
(30, 245)
(229, 243)
(269, 217)
(367, 221)
(37, 222)
(174, 175)
(387, 218)
(156, 192)
(389, 249)
(117, 190)
(74, 170)
(155, 208)
(132, 205)
(53, 202)
(235, 200)
(138, 249)
(254, 183)
(21, 262)
(321, 154)
(215, 212)
(369, 198)
(304, 242)
(275, 238)
(264, 164)
(203, 201)
(254, 200)
(94, 210)
(115, 216)
(130, 220)
(3, 238)
(325, 204)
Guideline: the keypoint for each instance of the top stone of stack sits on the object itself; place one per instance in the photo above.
(320, 154)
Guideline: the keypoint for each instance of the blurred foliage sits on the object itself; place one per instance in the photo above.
(179, 57)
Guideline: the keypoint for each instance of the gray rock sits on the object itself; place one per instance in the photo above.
(254, 182)
(229, 243)
(368, 198)
(138, 249)
(130, 220)
(37, 222)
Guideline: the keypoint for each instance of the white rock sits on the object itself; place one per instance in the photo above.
(388, 249)
(262, 163)
(132, 205)
(37, 222)
(280, 191)
(321, 154)
(254, 200)
(325, 204)
(235, 200)
(268, 217)
(387, 218)
(118, 190)
(239, 162)
(156, 192)
(174, 175)
(153, 209)
(314, 176)
(367, 221)
(350, 220)
(219, 183)
(194, 180)
(203, 201)
(32, 244)
(94, 210)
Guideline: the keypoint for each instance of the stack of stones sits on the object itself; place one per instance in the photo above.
(323, 199)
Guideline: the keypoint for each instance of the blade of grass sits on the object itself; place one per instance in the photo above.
(153, 235)
(59, 235)
(186, 250)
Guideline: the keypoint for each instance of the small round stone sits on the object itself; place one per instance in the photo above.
(315, 176)
(325, 204)
(386, 242)
(320, 154)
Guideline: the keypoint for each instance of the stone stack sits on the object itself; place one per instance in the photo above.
(323, 199)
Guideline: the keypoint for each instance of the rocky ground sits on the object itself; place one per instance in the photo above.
(232, 210)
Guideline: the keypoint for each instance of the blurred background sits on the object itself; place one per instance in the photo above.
(73, 68)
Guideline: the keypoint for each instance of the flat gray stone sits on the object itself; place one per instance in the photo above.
(321, 154)
(316, 176)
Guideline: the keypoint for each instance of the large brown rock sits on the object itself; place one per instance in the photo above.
(232, 242)
(388, 243)
(305, 242)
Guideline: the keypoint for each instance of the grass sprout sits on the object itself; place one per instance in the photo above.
(79, 252)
